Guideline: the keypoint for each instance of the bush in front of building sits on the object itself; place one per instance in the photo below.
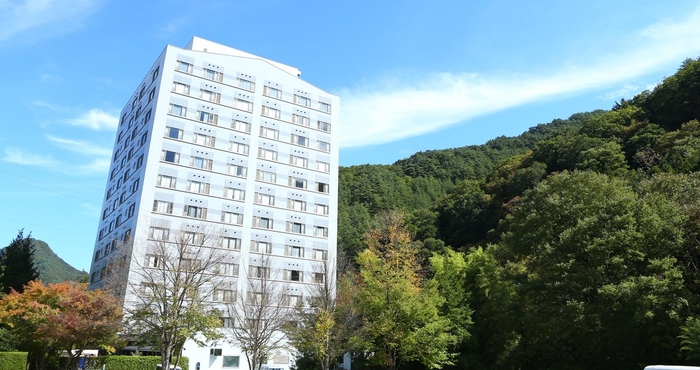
(13, 360)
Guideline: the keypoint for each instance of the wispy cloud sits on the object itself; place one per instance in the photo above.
(100, 165)
(95, 119)
(79, 146)
(50, 17)
(17, 156)
(171, 28)
(391, 110)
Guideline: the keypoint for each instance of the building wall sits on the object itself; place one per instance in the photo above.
(208, 124)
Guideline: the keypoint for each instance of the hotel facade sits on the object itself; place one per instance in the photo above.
(218, 139)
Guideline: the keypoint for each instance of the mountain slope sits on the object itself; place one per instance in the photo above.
(53, 269)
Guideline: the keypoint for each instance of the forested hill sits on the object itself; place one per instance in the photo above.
(579, 240)
(52, 268)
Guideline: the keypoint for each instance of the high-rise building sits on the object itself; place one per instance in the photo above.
(217, 138)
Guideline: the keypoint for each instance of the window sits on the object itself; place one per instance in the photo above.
(262, 222)
(302, 100)
(323, 166)
(294, 251)
(196, 212)
(323, 126)
(232, 218)
(131, 210)
(210, 95)
(230, 243)
(173, 133)
(321, 209)
(154, 75)
(181, 88)
(261, 247)
(205, 140)
(184, 66)
(296, 227)
(271, 112)
(177, 110)
(321, 231)
(224, 295)
(272, 92)
(235, 194)
(237, 170)
(230, 362)
(298, 161)
(161, 206)
(153, 260)
(158, 233)
(139, 162)
(322, 187)
(213, 75)
(293, 275)
(166, 181)
(297, 205)
(300, 120)
(300, 140)
(265, 199)
(266, 176)
(199, 162)
(198, 187)
(319, 254)
(144, 137)
(239, 148)
(259, 272)
(297, 182)
(268, 154)
(240, 126)
(152, 94)
(243, 105)
(324, 107)
(245, 84)
(292, 300)
(319, 277)
(269, 133)
(207, 117)
(324, 146)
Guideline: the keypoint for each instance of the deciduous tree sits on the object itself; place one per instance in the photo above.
(400, 314)
(169, 300)
(65, 316)
(259, 314)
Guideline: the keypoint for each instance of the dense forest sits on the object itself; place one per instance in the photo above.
(575, 245)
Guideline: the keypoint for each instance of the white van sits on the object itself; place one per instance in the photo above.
(671, 367)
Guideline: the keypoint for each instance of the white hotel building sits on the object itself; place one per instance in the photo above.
(218, 137)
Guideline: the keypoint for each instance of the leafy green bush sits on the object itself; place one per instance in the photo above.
(13, 360)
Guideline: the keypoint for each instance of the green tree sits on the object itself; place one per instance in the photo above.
(17, 264)
(401, 321)
(597, 264)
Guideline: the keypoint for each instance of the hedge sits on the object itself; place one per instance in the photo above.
(14, 360)
(18, 360)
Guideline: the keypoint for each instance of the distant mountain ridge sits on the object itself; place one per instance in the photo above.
(52, 268)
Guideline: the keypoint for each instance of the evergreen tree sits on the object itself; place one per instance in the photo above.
(17, 264)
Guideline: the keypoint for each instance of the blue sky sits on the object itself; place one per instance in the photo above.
(412, 76)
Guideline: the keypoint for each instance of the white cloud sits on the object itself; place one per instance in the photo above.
(17, 156)
(171, 28)
(389, 110)
(95, 119)
(79, 146)
(100, 165)
(52, 17)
